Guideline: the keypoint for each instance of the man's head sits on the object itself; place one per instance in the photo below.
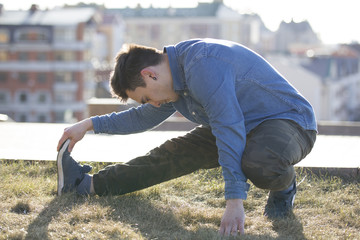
(130, 61)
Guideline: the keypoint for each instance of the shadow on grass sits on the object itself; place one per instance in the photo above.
(38, 229)
(289, 228)
(142, 215)
(138, 212)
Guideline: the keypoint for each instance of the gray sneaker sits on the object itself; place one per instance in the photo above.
(280, 204)
(70, 172)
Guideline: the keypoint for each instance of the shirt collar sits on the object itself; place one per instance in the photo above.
(177, 71)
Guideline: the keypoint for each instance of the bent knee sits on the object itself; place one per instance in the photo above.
(272, 177)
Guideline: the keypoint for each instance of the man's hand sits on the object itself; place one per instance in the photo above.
(75, 133)
(233, 219)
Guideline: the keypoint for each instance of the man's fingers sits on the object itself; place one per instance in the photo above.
(241, 229)
(224, 229)
(241, 225)
(71, 145)
(221, 230)
(227, 229)
(61, 141)
(234, 230)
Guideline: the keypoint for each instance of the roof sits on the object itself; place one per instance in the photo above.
(202, 10)
(297, 27)
(57, 16)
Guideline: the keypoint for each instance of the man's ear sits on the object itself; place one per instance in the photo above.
(147, 73)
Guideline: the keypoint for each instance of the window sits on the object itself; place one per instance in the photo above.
(4, 36)
(23, 77)
(64, 56)
(4, 98)
(59, 116)
(42, 98)
(3, 77)
(64, 77)
(65, 34)
(42, 118)
(23, 118)
(3, 56)
(198, 30)
(23, 97)
(64, 97)
(41, 56)
(32, 35)
(23, 56)
(41, 78)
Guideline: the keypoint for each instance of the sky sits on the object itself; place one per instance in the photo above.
(334, 21)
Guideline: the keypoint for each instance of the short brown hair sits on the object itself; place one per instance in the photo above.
(128, 65)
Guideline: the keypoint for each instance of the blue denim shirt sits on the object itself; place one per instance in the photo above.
(227, 87)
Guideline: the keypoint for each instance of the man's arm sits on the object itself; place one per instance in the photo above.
(126, 122)
(228, 126)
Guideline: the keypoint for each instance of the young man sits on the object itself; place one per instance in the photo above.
(254, 125)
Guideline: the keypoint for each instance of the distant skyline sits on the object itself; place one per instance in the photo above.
(334, 21)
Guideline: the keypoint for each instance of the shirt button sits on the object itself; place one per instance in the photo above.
(193, 113)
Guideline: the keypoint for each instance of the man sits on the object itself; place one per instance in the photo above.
(254, 124)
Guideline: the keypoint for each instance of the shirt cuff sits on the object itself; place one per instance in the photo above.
(96, 125)
(236, 190)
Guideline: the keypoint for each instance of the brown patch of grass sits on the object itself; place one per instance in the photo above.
(189, 207)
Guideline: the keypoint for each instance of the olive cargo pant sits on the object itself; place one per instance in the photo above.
(272, 148)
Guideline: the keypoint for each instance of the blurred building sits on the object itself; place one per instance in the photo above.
(328, 77)
(295, 37)
(53, 61)
(338, 69)
(158, 27)
(47, 67)
(305, 81)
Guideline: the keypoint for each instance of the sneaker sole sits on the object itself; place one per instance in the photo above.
(60, 173)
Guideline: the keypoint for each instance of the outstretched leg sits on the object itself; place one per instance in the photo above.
(175, 158)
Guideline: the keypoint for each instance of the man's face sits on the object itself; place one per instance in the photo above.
(156, 93)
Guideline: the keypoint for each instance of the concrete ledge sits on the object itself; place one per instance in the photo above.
(176, 124)
(339, 128)
(349, 174)
(100, 106)
(38, 141)
(324, 128)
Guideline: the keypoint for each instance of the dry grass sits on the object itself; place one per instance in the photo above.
(186, 208)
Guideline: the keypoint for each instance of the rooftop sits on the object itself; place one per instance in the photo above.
(56, 16)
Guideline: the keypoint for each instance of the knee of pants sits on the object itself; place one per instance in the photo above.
(268, 176)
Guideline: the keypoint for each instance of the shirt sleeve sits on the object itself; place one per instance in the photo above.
(134, 120)
(226, 119)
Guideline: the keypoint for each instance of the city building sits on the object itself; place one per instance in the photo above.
(53, 61)
(338, 68)
(328, 77)
(295, 37)
(46, 70)
(158, 27)
(305, 81)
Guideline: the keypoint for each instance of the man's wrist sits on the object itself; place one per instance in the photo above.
(234, 202)
(88, 124)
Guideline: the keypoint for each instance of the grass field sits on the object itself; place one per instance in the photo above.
(189, 207)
